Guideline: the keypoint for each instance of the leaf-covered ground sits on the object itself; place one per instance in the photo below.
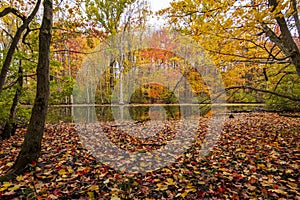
(256, 157)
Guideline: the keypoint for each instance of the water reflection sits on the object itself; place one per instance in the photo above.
(137, 112)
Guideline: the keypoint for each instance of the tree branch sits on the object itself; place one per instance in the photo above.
(14, 11)
(277, 84)
(286, 42)
(14, 44)
(28, 30)
(293, 98)
(10, 85)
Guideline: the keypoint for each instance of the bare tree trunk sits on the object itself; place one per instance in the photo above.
(10, 126)
(31, 147)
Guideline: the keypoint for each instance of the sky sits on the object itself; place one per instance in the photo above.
(159, 4)
(155, 6)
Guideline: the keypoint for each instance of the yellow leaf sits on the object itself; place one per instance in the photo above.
(19, 178)
(166, 170)
(261, 166)
(190, 186)
(62, 172)
(170, 181)
(94, 188)
(10, 164)
(6, 184)
(70, 170)
(278, 191)
(48, 172)
(14, 188)
(91, 195)
(114, 197)
(106, 181)
(184, 194)
(38, 169)
(52, 196)
(156, 180)
(162, 186)
(135, 183)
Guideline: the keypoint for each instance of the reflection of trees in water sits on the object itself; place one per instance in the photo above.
(142, 113)
(135, 112)
(153, 112)
(60, 113)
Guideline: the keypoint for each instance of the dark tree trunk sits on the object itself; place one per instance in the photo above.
(285, 42)
(10, 126)
(31, 147)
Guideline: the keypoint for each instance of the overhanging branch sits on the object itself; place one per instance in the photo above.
(293, 98)
(14, 11)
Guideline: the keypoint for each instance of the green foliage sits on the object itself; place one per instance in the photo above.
(23, 115)
(60, 89)
(28, 93)
(290, 84)
(283, 81)
(23, 112)
(104, 113)
(244, 96)
(107, 12)
(5, 102)
(59, 113)
(282, 104)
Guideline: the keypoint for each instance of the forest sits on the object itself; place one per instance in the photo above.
(112, 99)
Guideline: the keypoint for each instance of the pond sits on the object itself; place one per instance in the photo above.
(140, 112)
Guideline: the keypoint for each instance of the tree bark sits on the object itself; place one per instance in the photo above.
(14, 44)
(10, 125)
(285, 42)
(31, 147)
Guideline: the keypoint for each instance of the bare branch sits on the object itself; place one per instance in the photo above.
(7, 33)
(265, 61)
(293, 98)
(10, 85)
(14, 44)
(279, 81)
(28, 30)
(14, 11)
(281, 70)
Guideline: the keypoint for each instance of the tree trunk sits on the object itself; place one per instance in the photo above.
(111, 75)
(286, 41)
(31, 147)
(296, 61)
(10, 126)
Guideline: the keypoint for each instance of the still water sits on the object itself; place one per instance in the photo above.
(140, 112)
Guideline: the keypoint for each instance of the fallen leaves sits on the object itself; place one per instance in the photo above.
(245, 163)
